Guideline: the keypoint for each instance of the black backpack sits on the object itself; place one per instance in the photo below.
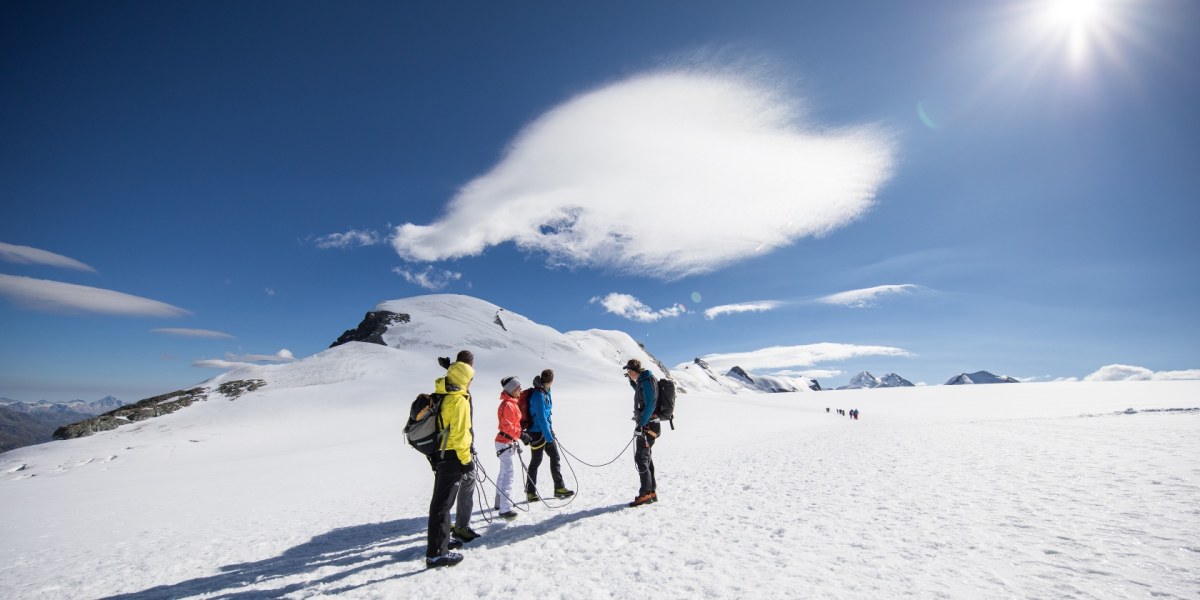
(425, 430)
(664, 401)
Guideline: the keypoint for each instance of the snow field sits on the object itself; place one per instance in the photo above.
(306, 489)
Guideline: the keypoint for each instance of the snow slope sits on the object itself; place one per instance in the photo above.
(305, 489)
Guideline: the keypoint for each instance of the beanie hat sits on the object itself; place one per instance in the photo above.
(512, 385)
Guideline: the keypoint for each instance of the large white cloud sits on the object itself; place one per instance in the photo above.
(665, 174)
(790, 357)
(34, 256)
(43, 294)
(1132, 373)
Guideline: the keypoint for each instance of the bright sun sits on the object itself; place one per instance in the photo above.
(1073, 13)
(1078, 26)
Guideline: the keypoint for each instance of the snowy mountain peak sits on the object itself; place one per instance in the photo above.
(979, 377)
(863, 380)
(741, 375)
(894, 380)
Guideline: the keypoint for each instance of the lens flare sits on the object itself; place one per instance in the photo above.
(696, 297)
(924, 113)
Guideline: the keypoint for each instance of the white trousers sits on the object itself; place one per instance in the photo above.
(504, 481)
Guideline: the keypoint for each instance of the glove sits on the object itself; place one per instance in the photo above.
(444, 361)
(526, 438)
(638, 430)
(469, 467)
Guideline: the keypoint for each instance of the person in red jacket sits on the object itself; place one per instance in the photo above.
(508, 416)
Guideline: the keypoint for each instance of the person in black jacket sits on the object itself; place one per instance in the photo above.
(645, 388)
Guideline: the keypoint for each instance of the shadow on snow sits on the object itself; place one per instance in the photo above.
(333, 557)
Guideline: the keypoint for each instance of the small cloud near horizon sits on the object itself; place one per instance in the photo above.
(664, 174)
(56, 296)
(1132, 373)
(195, 333)
(27, 255)
(430, 279)
(790, 357)
(629, 307)
(868, 297)
(729, 309)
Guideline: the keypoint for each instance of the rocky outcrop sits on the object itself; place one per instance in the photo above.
(740, 374)
(153, 407)
(233, 389)
(372, 328)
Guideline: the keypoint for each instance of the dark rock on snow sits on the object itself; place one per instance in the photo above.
(372, 328)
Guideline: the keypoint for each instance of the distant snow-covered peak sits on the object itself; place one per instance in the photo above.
(894, 380)
(864, 380)
(979, 377)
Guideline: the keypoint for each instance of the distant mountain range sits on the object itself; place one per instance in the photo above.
(699, 375)
(979, 377)
(866, 380)
(27, 423)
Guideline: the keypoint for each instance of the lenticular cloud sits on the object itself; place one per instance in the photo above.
(667, 174)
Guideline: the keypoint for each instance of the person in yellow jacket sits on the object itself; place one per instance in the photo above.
(454, 466)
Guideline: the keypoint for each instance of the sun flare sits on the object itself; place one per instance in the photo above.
(1073, 13)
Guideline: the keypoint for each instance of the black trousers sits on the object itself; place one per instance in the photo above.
(447, 475)
(643, 458)
(535, 461)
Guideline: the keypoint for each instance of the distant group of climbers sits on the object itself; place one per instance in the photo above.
(853, 414)
(523, 416)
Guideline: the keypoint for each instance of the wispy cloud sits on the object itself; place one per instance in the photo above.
(32, 256)
(235, 361)
(811, 373)
(868, 297)
(624, 305)
(216, 363)
(793, 357)
(728, 309)
(665, 174)
(1131, 373)
(42, 294)
(196, 333)
(350, 239)
(430, 278)
(283, 356)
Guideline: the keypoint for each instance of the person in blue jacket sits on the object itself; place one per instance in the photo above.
(645, 390)
(541, 434)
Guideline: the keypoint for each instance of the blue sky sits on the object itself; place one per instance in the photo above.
(922, 187)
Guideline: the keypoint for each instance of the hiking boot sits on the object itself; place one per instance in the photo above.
(448, 559)
(465, 534)
(531, 496)
(510, 515)
(563, 493)
(644, 499)
(454, 544)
